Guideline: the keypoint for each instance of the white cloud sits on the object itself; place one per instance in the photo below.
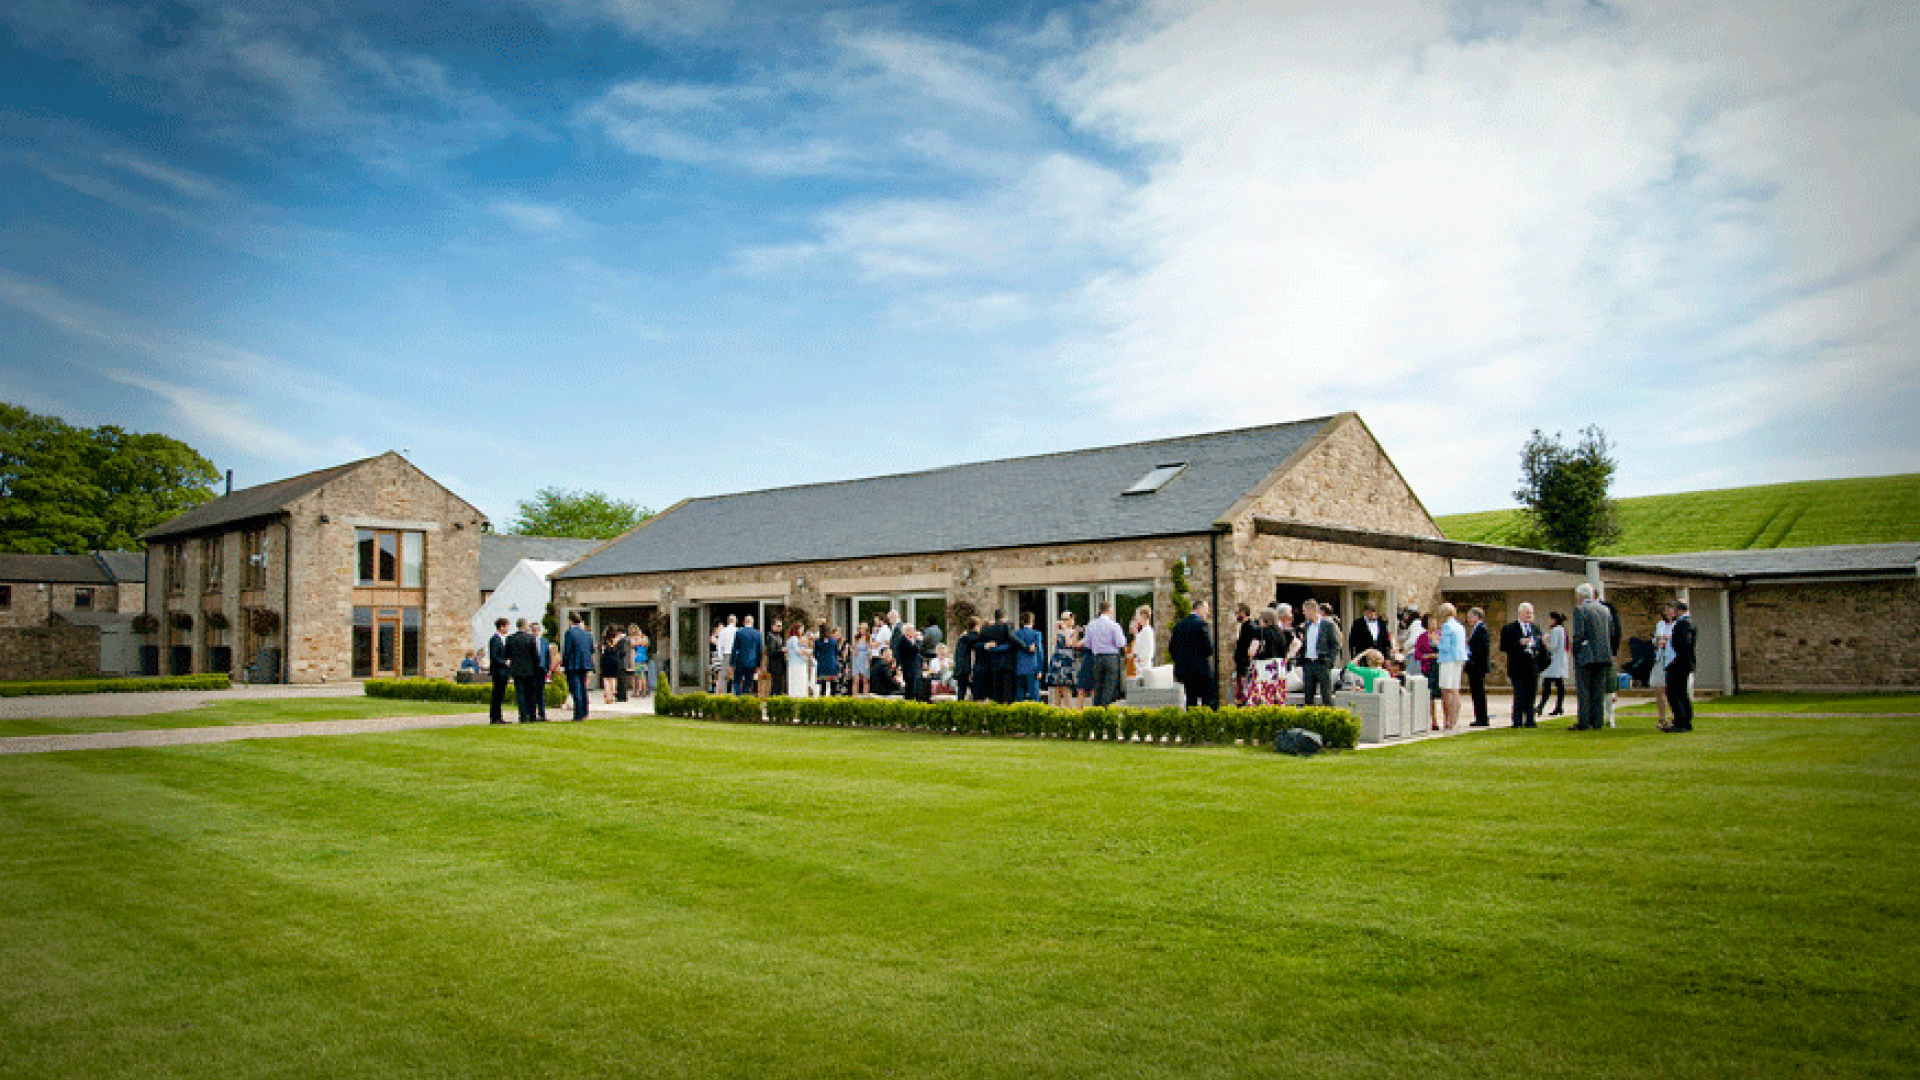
(1350, 208)
(539, 219)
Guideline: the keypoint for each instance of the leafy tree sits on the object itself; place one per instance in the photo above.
(585, 515)
(1563, 492)
(68, 490)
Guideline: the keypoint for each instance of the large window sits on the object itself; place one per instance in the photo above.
(6, 596)
(83, 598)
(176, 569)
(390, 557)
(253, 547)
(213, 578)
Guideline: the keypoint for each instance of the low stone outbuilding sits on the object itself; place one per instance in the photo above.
(364, 569)
(70, 615)
(1043, 534)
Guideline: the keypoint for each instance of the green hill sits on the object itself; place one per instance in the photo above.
(1867, 510)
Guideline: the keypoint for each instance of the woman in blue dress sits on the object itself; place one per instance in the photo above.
(641, 650)
(1063, 667)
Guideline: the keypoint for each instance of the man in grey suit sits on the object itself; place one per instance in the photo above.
(1592, 658)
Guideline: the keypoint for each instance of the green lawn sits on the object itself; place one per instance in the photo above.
(278, 711)
(1868, 510)
(668, 898)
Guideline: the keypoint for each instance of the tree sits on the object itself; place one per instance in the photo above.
(1563, 492)
(67, 490)
(585, 515)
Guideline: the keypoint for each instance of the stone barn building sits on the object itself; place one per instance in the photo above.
(365, 569)
(1046, 534)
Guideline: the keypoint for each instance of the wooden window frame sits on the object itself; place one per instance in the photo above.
(404, 540)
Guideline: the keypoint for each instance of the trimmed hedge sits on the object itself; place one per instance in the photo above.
(1254, 726)
(40, 688)
(447, 690)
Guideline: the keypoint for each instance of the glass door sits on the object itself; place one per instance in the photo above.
(689, 648)
(386, 643)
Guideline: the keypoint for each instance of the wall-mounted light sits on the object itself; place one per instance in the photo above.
(324, 519)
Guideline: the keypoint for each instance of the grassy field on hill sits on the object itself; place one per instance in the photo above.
(669, 898)
(1870, 510)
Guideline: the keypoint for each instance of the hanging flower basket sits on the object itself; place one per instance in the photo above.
(217, 620)
(182, 621)
(146, 623)
(265, 622)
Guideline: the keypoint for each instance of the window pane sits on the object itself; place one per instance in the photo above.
(1128, 599)
(362, 643)
(867, 608)
(1080, 603)
(410, 554)
(930, 609)
(388, 635)
(83, 599)
(389, 557)
(410, 642)
(364, 538)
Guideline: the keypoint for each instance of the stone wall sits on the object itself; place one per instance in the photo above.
(59, 650)
(1835, 636)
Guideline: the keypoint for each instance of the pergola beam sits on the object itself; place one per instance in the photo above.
(1615, 571)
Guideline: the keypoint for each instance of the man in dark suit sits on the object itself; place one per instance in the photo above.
(1479, 662)
(1685, 646)
(1370, 631)
(497, 667)
(964, 652)
(747, 649)
(1319, 652)
(1526, 658)
(996, 657)
(523, 657)
(576, 658)
(1191, 646)
(1593, 635)
(906, 653)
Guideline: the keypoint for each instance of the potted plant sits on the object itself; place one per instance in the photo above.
(265, 622)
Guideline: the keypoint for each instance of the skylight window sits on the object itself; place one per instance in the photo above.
(1156, 479)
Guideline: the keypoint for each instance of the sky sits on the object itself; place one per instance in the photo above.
(666, 250)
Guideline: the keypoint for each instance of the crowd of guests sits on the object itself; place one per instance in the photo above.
(1274, 654)
(991, 660)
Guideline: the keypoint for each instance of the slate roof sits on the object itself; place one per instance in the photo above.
(263, 501)
(123, 566)
(1015, 502)
(500, 553)
(51, 569)
(1835, 560)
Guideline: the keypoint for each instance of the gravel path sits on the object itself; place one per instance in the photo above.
(122, 740)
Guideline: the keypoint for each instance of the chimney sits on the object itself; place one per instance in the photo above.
(229, 481)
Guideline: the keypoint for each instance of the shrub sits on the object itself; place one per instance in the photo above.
(1254, 726)
(42, 687)
(448, 690)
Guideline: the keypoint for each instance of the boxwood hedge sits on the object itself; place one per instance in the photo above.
(446, 690)
(1255, 726)
(214, 681)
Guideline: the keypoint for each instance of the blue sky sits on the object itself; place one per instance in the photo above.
(692, 247)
